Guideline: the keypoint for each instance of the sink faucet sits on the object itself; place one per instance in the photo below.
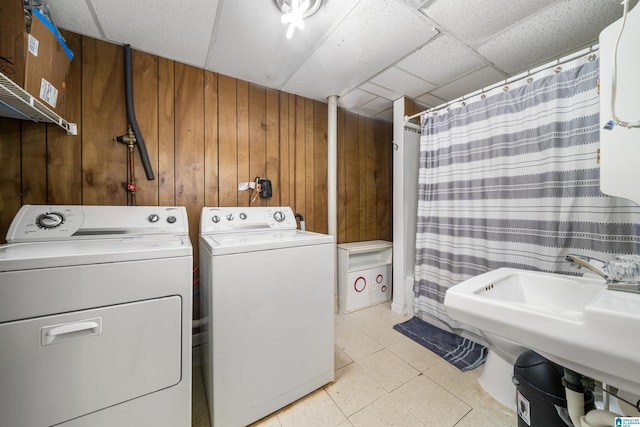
(619, 275)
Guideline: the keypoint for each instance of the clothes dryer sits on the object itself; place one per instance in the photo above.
(95, 317)
(267, 291)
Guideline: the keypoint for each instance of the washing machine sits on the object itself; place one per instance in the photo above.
(267, 297)
(95, 317)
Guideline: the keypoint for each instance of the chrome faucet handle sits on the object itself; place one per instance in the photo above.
(584, 261)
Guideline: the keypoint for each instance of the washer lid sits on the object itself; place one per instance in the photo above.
(231, 243)
(35, 255)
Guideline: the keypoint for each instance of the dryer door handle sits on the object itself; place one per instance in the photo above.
(68, 331)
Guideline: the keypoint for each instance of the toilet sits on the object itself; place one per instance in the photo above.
(497, 371)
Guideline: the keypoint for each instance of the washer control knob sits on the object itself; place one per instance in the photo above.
(230, 217)
(215, 219)
(171, 219)
(50, 220)
(278, 216)
(154, 218)
(243, 216)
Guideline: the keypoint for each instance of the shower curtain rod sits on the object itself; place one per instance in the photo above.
(555, 63)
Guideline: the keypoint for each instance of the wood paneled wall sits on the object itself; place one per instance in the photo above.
(204, 132)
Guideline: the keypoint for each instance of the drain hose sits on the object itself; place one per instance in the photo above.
(131, 114)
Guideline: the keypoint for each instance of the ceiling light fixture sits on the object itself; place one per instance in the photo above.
(294, 12)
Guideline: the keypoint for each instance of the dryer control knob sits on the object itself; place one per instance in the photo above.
(278, 216)
(50, 220)
(153, 218)
(171, 219)
(215, 219)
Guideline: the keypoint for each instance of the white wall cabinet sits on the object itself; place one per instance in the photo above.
(364, 274)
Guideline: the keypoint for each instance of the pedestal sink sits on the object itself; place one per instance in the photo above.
(573, 321)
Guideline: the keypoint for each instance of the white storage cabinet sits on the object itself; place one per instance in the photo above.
(364, 274)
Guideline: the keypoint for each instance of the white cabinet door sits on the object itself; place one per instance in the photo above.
(359, 290)
(381, 284)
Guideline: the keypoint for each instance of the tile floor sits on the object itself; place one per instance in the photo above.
(382, 379)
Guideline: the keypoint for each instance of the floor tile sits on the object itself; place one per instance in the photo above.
(464, 385)
(315, 410)
(384, 412)
(353, 389)
(429, 403)
(489, 413)
(340, 358)
(388, 370)
(357, 345)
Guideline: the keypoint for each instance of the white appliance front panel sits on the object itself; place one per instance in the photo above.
(42, 292)
(61, 367)
(241, 219)
(56, 222)
(270, 329)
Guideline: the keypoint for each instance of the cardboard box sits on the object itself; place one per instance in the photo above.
(38, 60)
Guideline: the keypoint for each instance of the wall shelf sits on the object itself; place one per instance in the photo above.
(17, 103)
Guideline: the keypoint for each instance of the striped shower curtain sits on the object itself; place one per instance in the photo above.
(512, 180)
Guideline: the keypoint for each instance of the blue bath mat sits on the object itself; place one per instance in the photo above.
(460, 352)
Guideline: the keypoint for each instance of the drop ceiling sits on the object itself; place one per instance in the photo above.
(368, 52)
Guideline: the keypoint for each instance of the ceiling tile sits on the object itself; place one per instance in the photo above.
(252, 45)
(355, 98)
(375, 106)
(76, 16)
(380, 91)
(546, 36)
(374, 35)
(403, 82)
(386, 115)
(469, 83)
(441, 60)
(181, 33)
(476, 21)
(430, 100)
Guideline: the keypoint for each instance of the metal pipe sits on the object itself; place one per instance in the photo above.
(131, 114)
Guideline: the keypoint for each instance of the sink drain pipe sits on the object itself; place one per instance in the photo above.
(574, 387)
(131, 114)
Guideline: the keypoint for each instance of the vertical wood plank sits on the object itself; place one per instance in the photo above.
(352, 208)
(384, 180)
(166, 133)
(64, 152)
(104, 163)
(309, 165)
(292, 129)
(10, 197)
(285, 184)
(371, 180)
(300, 182)
(189, 111)
(243, 140)
(211, 139)
(341, 178)
(320, 154)
(228, 134)
(145, 100)
(257, 136)
(272, 145)
(362, 178)
(34, 163)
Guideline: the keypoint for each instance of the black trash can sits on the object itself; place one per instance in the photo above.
(542, 400)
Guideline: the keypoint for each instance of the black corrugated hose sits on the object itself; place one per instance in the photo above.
(131, 114)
